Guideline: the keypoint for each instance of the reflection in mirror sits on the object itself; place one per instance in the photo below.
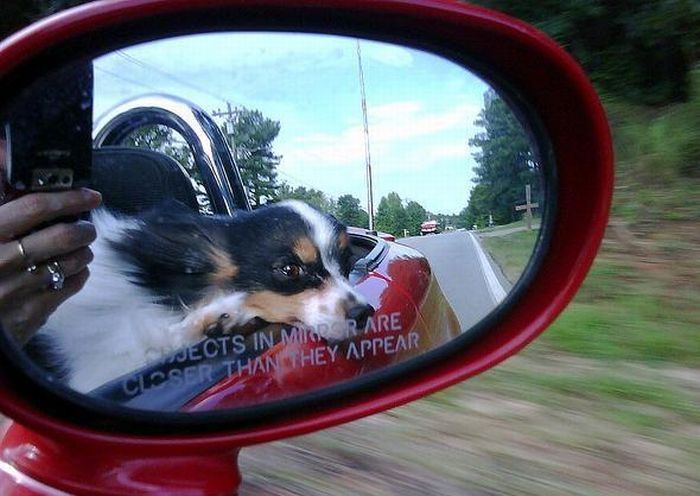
(282, 212)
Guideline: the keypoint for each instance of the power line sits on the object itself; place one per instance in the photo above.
(167, 75)
(296, 179)
(127, 80)
(188, 84)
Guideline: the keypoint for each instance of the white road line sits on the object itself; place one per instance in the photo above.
(495, 289)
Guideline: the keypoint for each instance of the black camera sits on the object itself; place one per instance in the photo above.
(48, 132)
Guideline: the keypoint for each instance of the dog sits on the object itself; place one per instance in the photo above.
(163, 280)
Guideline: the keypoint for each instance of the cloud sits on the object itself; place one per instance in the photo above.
(397, 129)
(421, 107)
(391, 55)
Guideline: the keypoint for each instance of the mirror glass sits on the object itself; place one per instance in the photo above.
(281, 213)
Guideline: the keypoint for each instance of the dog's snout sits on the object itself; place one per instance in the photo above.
(360, 313)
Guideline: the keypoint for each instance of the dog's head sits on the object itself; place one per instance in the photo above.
(284, 263)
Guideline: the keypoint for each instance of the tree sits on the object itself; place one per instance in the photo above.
(163, 139)
(314, 197)
(18, 13)
(505, 164)
(391, 216)
(415, 215)
(462, 221)
(477, 211)
(348, 211)
(641, 52)
(252, 135)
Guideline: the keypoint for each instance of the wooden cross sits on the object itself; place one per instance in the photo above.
(528, 206)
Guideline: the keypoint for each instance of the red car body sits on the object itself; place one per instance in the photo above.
(406, 298)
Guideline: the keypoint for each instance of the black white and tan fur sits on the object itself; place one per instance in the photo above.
(160, 281)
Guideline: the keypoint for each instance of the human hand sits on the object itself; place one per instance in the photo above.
(57, 255)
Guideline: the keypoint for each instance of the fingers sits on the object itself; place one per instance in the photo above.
(57, 240)
(75, 262)
(52, 299)
(49, 243)
(24, 320)
(12, 256)
(23, 283)
(20, 216)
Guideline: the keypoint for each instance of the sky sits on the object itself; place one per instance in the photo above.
(421, 108)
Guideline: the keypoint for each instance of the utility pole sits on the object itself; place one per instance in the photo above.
(230, 116)
(368, 160)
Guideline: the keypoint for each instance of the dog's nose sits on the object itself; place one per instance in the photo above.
(360, 314)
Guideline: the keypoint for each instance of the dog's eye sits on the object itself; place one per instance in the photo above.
(292, 271)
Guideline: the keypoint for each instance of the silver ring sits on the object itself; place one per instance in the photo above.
(57, 276)
(22, 251)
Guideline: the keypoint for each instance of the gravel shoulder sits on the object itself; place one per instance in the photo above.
(524, 428)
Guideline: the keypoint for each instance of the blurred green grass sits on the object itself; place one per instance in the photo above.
(511, 251)
(657, 159)
(621, 313)
(637, 399)
(641, 300)
(626, 351)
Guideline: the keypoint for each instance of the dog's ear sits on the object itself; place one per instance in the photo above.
(173, 251)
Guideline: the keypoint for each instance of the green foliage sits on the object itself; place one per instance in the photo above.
(638, 51)
(348, 211)
(505, 165)
(445, 220)
(476, 213)
(163, 139)
(620, 314)
(313, 197)
(669, 138)
(405, 220)
(252, 135)
(658, 159)
(391, 215)
(415, 215)
(18, 13)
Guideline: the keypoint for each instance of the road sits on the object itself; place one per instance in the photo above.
(471, 281)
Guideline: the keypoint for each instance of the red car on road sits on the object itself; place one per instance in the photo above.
(429, 227)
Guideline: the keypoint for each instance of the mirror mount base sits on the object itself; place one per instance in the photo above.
(45, 466)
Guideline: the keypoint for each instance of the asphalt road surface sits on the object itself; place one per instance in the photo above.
(471, 281)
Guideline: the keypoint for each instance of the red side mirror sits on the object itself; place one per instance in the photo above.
(207, 325)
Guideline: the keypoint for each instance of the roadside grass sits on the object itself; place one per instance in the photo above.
(658, 159)
(607, 401)
(623, 313)
(517, 223)
(634, 319)
(641, 398)
(511, 251)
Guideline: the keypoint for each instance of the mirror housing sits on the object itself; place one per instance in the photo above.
(532, 70)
